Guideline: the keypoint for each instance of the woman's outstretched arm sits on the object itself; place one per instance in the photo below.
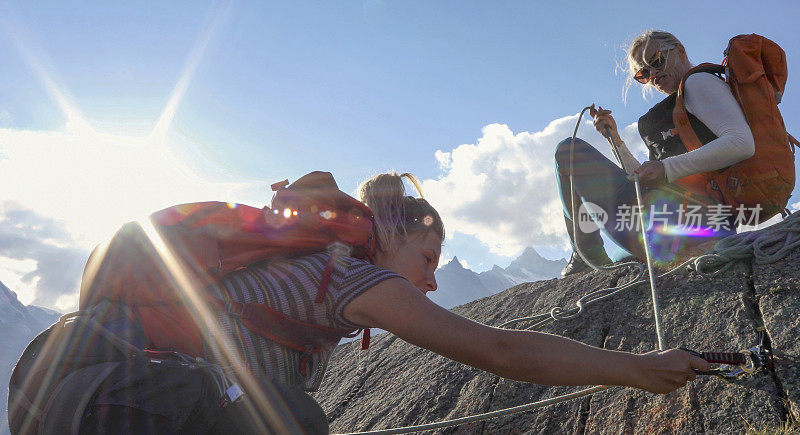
(398, 307)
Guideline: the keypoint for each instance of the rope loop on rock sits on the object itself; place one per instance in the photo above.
(488, 415)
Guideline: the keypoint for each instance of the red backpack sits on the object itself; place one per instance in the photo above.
(160, 269)
(755, 69)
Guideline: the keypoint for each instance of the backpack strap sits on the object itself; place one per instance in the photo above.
(680, 116)
(326, 277)
(792, 141)
(304, 337)
(66, 407)
(280, 328)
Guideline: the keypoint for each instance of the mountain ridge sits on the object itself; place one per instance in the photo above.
(19, 324)
(459, 285)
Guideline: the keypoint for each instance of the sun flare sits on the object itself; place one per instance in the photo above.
(93, 181)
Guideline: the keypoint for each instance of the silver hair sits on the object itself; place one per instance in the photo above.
(635, 54)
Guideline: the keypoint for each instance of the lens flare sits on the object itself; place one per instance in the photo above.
(678, 230)
(268, 408)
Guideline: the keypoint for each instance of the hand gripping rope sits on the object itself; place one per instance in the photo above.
(736, 365)
(765, 246)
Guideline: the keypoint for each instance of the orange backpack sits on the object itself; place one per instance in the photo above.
(159, 270)
(755, 69)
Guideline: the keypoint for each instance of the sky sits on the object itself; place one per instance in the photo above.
(111, 111)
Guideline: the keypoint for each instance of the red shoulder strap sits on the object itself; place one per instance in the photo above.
(280, 328)
(304, 337)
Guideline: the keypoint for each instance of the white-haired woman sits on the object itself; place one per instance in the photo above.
(657, 60)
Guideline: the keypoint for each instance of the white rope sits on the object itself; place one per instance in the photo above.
(651, 275)
(488, 415)
(639, 201)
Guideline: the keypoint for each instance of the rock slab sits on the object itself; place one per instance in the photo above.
(396, 384)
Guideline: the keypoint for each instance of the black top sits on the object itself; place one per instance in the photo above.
(656, 128)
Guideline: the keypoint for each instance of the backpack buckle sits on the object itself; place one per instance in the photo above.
(305, 359)
(236, 308)
(232, 395)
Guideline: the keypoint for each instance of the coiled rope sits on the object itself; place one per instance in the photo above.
(764, 246)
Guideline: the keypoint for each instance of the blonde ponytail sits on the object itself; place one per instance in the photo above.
(397, 214)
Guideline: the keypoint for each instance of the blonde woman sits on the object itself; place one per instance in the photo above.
(658, 61)
(388, 293)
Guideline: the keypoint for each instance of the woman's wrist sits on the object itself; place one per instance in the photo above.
(636, 372)
(623, 369)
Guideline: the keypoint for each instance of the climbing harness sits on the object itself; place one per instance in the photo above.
(765, 246)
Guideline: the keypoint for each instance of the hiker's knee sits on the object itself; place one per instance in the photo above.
(565, 147)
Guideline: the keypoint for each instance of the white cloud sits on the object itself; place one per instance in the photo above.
(11, 273)
(39, 258)
(444, 159)
(630, 135)
(502, 190)
(65, 191)
(94, 181)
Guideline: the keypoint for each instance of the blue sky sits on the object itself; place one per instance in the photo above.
(109, 111)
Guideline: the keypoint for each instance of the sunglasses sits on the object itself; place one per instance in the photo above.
(655, 63)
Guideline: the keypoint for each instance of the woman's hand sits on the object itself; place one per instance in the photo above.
(665, 371)
(651, 173)
(604, 121)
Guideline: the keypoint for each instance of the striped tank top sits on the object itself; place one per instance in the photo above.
(290, 286)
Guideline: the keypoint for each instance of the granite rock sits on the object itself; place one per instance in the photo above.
(396, 384)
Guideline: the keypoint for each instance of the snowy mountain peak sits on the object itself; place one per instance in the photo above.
(530, 252)
(11, 309)
(528, 267)
(457, 285)
(18, 325)
(528, 259)
(454, 264)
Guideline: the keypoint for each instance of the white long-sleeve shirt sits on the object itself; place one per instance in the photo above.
(710, 100)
